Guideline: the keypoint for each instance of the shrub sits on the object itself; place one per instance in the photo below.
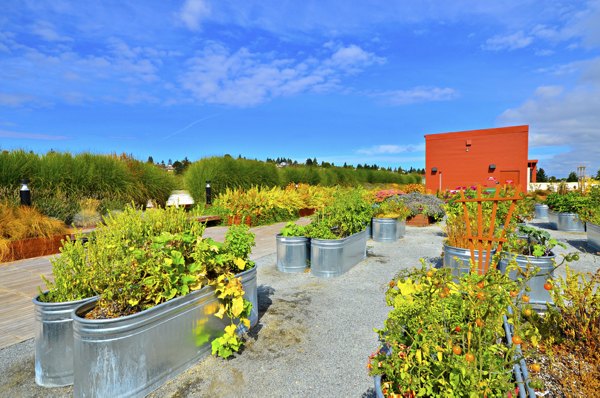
(419, 203)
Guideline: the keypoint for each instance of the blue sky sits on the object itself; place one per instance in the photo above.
(342, 81)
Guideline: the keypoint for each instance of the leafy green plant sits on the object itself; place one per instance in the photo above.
(569, 202)
(293, 229)
(536, 242)
(444, 338)
(391, 209)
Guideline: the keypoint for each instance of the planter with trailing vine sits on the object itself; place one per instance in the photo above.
(593, 236)
(539, 296)
(133, 355)
(334, 257)
(54, 342)
(388, 229)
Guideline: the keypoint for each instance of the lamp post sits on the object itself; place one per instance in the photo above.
(208, 193)
(25, 193)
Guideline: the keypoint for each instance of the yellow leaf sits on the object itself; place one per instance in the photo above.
(246, 322)
(221, 312)
(241, 263)
(419, 356)
(439, 355)
(210, 309)
(237, 306)
(230, 330)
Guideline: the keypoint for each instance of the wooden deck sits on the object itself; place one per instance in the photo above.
(20, 282)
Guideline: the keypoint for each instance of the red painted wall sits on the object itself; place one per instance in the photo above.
(463, 158)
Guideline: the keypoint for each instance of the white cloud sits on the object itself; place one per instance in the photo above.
(193, 13)
(15, 100)
(31, 136)
(416, 95)
(243, 78)
(391, 149)
(560, 119)
(508, 42)
(48, 32)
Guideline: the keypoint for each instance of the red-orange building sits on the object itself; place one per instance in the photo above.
(489, 157)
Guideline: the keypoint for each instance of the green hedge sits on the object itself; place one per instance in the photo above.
(227, 172)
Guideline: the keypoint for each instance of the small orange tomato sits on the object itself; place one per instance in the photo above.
(535, 367)
(517, 340)
(457, 329)
(392, 284)
(481, 296)
(479, 322)
(527, 312)
(514, 293)
(548, 286)
(457, 350)
(525, 298)
(480, 284)
(430, 273)
(469, 357)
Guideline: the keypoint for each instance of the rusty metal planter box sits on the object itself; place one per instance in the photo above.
(333, 257)
(593, 236)
(388, 229)
(569, 222)
(293, 253)
(54, 342)
(133, 355)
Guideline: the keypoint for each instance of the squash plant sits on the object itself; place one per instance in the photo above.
(445, 338)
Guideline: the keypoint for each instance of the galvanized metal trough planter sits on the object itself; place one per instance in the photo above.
(541, 211)
(133, 355)
(458, 259)
(538, 296)
(569, 222)
(333, 257)
(54, 342)
(593, 236)
(293, 253)
(388, 229)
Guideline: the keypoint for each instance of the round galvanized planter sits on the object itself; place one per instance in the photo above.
(553, 219)
(388, 229)
(133, 355)
(293, 253)
(538, 295)
(459, 259)
(570, 222)
(593, 236)
(541, 212)
(250, 286)
(54, 342)
(333, 257)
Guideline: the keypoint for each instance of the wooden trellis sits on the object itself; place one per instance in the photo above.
(482, 240)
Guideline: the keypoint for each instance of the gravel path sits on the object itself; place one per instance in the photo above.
(313, 338)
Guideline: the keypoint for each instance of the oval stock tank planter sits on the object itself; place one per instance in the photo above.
(569, 222)
(538, 295)
(293, 253)
(593, 236)
(541, 212)
(333, 257)
(133, 355)
(388, 229)
(553, 219)
(459, 259)
(54, 342)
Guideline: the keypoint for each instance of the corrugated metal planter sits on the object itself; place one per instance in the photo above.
(333, 257)
(593, 236)
(570, 222)
(293, 253)
(459, 259)
(388, 229)
(133, 355)
(553, 219)
(538, 295)
(54, 342)
(541, 212)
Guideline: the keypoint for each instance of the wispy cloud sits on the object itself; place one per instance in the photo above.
(48, 32)
(244, 78)
(193, 12)
(391, 149)
(31, 136)
(416, 95)
(508, 42)
(14, 100)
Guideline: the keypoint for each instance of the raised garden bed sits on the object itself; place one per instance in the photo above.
(420, 220)
(387, 229)
(333, 257)
(293, 253)
(593, 236)
(459, 259)
(569, 222)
